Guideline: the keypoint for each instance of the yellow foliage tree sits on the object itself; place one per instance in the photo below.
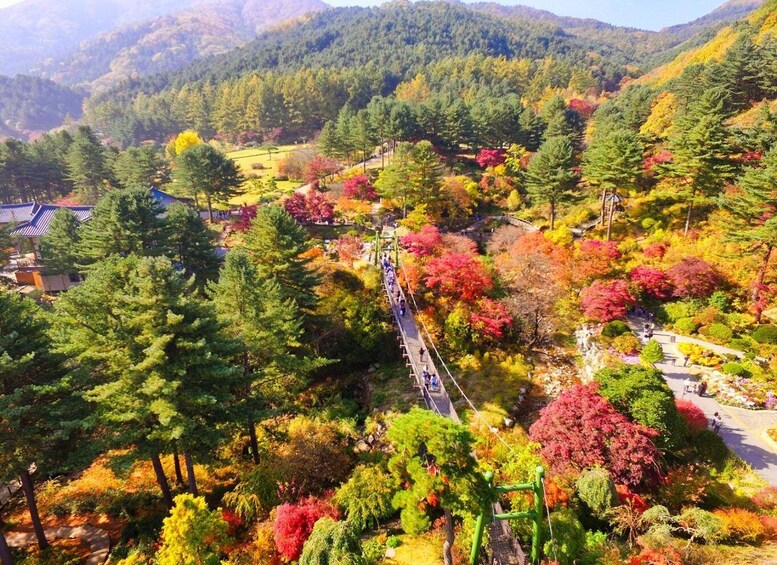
(182, 142)
(192, 534)
(661, 116)
(415, 91)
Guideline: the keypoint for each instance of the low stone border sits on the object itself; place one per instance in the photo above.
(98, 540)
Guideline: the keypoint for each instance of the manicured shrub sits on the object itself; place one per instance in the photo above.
(615, 328)
(627, 344)
(702, 525)
(294, 524)
(719, 300)
(568, 537)
(192, 533)
(651, 353)
(393, 542)
(692, 415)
(366, 497)
(333, 543)
(676, 310)
(373, 551)
(655, 516)
(596, 489)
(766, 333)
(742, 525)
(735, 369)
(719, 332)
(686, 326)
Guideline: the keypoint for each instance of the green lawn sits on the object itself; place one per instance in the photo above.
(247, 158)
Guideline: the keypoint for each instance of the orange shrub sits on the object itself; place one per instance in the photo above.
(651, 556)
(766, 498)
(743, 525)
(770, 526)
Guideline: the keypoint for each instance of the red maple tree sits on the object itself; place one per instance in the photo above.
(359, 187)
(580, 429)
(654, 282)
(605, 301)
(423, 242)
(320, 167)
(490, 157)
(595, 258)
(694, 278)
(458, 275)
(294, 523)
(490, 319)
(312, 207)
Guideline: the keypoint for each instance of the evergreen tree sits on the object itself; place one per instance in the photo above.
(190, 244)
(700, 150)
(59, 248)
(557, 118)
(738, 72)
(141, 167)
(392, 180)
(205, 170)
(154, 359)
(327, 142)
(5, 243)
(532, 129)
(192, 534)
(40, 413)
(549, 177)
(87, 165)
(613, 160)
(424, 174)
(269, 329)
(124, 222)
(752, 217)
(333, 543)
(277, 244)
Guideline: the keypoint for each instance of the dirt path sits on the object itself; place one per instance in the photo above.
(98, 540)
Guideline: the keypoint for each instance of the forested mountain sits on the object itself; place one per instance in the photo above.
(730, 11)
(34, 30)
(211, 27)
(35, 104)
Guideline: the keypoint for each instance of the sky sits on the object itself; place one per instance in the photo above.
(644, 14)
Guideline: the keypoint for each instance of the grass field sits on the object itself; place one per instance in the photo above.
(247, 158)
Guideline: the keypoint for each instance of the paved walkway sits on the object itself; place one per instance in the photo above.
(98, 540)
(742, 429)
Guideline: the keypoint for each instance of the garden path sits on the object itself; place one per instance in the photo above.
(98, 540)
(742, 429)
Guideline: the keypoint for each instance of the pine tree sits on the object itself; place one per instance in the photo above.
(424, 174)
(205, 170)
(277, 244)
(190, 244)
(154, 359)
(269, 329)
(392, 181)
(613, 160)
(327, 141)
(124, 222)
(140, 167)
(40, 411)
(59, 248)
(700, 150)
(752, 217)
(5, 243)
(549, 177)
(87, 165)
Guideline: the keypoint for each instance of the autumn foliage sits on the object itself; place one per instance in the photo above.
(653, 282)
(424, 242)
(692, 415)
(605, 301)
(490, 319)
(694, 278)
(490, 157)
(359, 187)
(320, 167)
(312, 207)
(595, 258)
(580, 429)
(458, 275)
(294, 522)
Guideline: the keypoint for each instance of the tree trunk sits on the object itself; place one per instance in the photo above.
(604, 207)
(254, 443)
(161, 479)
(190, 474)
(29, 492)
(210, 208)
(5, 551)
(759, 280)
(177, 465)
(382, 155)
(447, 548)
(688, 217)
(610, 215)
(552, 216)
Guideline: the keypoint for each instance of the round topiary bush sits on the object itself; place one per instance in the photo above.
(615, 328)
(596, 489)
(735, 369)
(765, 334)
(686, 326)
(719, 332)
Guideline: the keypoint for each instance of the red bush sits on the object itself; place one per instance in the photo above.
(580, 429)
(654, 282)
(320, 167)
(595, 258)
(490, 157)
(692, 415)
(652, 556)
(659, 158)
(625, 496)
(312, 207)
(247, 215)
(694, 278)
(770, 526)
(766, 498)
(424, 242)
(234, 522)
(582, 107)
(655, 250)
(294, 522)
(458, 275)
(359, 187)
(605, 301)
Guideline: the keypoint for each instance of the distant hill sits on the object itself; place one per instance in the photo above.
(761, 22)
(730, 11)
(95, 43)
(32, 104)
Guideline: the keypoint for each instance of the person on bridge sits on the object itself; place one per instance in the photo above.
(427, 380)
(434, 383)
(421, 353)
(402, 310)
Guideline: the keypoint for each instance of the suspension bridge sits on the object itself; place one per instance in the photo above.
(419, 358)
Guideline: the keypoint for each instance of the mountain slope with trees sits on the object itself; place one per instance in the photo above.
(34, 104)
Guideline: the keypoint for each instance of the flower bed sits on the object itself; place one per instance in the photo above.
(739, 391)
(700, 355)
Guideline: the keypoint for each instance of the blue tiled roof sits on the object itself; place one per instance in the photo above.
(17, 213)
(38, 225)
(163, 198)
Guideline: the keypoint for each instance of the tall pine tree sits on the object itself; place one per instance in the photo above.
(549, 177)
(59, 248)
(87, 165)
(190, 244)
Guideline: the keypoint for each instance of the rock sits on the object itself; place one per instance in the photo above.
(391, 553)
(362, 446)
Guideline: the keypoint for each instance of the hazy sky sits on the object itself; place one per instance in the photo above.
(645, 14)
